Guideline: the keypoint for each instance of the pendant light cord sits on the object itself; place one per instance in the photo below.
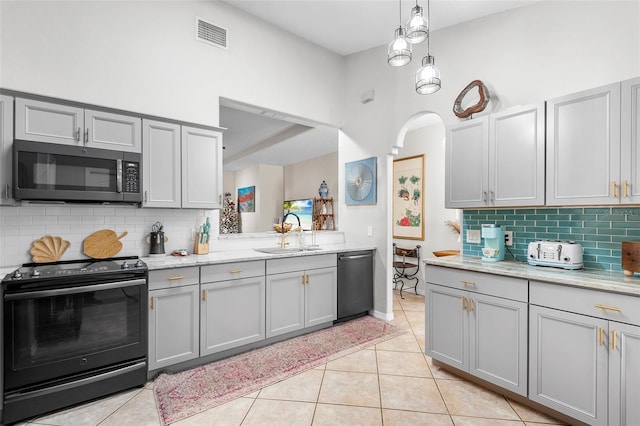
(429, 28)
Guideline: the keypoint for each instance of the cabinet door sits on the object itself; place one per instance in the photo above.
(630, 142)
(161, 164)
(201, 168)
(583, 147)
(47, 122)
(498, 341)
(285, 303)
(516, 157)
(113, 131)
(233, 314)
(173, 326)
(6, 141)
(466, 162)
(447, 326)
(321, 299)
(624, 374)
(568, 363)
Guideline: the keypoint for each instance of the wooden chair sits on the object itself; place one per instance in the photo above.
(406, 265)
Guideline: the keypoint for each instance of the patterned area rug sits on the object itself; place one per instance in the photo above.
(190, 392)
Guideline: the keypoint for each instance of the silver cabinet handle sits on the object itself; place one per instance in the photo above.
(77, 135)
(86, 136)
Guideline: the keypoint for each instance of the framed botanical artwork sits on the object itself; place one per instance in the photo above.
(408, 200)
(360, 182)
(247, 199)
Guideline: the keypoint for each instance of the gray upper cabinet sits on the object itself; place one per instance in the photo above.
(60, 123)
(583, 147)
(161, 164)
(478, 323)
(630, 142)
(497, 160)
(6, 140)
(201, 168)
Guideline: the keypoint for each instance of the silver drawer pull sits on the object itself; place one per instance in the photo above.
(608, 308)
(468, 283)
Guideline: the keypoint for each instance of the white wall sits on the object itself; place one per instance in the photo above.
(529, 54)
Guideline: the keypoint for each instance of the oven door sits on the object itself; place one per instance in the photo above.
(58, 332)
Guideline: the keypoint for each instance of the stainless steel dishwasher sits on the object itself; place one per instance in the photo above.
(355, 284)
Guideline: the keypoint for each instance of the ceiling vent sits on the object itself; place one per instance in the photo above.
(209, 33)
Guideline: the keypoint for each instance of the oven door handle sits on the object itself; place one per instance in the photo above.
(73, 290)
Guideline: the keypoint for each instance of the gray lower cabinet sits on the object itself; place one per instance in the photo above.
(301, 293)
(584, 353)
(173, 316)
(471, 328)
(233, 305)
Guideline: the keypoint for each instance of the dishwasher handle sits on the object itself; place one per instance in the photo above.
(359, 256)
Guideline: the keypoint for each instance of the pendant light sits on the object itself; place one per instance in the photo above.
(417, 26)
(428, 76)
(399, 51)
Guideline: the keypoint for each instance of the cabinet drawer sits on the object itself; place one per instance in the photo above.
(600, 304)
(302, 263)
(175, 277)
(232, 271)
(494, 285)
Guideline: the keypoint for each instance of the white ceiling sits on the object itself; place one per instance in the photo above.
(344, 27)
(349, 26)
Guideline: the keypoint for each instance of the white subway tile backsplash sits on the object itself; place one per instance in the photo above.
(58, 210)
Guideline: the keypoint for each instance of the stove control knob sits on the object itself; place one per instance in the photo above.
(139, 264)
(17, 274)
(36, 273)
(124, 265)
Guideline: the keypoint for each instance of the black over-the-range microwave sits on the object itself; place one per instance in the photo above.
(56, 172)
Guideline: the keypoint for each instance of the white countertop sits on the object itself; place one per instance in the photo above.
(168, 261)
(585, 278)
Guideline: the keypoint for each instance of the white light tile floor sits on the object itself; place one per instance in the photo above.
(392, 383)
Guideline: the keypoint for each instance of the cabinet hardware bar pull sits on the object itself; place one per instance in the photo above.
(614, 189)
(613, 340)
(145, 196)
(303, 279)
(608, 308)
(6, 191)
(151, 305)
(491, 196)
(468, 283)
(86, 136)
(464, 303)
(307, 278)
(471, 305)
(235, 271)
(77, 135)
(625, 191)
(601, 336)
(484, 196)
(204, 295)
(178, 277)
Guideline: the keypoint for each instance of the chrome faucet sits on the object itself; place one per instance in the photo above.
(284, 234)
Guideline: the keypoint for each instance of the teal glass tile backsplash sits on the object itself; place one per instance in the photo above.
(600, 230)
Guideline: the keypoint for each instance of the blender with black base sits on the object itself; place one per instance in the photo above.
(493, 235)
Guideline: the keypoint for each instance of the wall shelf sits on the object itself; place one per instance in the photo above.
(323, 214)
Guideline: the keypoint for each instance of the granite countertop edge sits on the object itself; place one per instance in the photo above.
(243, 255)
(611, 281)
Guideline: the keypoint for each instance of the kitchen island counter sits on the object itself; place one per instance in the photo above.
(611, 281)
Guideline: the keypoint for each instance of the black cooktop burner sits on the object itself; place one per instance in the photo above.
(75, 268)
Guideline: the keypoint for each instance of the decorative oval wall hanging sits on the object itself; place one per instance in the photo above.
(479, 106)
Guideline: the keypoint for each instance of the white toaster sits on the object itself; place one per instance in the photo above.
(557, 254)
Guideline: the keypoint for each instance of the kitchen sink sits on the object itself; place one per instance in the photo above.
(278, 250)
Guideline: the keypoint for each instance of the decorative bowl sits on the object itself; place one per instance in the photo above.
(490, 252)
(278, 227)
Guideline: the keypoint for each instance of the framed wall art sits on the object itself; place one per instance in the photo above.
(247, 199)
(360, 182)
(408, 200)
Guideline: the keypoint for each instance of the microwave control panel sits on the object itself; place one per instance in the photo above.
(131, 176)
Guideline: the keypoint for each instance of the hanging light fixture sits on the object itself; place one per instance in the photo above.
(399, 51)
(417, 26)
(428, 76)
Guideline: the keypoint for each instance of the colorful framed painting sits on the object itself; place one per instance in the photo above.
(408, 199)
(360, 182)
(247, 199)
